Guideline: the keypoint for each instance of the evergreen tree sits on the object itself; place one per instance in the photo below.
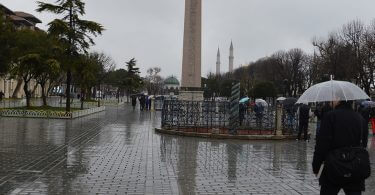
(72, 31)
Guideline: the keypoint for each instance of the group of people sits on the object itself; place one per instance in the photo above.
(258, 109)
(145, 102)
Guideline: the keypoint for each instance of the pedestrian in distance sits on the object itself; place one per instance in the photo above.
(304, 114)
(149, 103)
(142, 102)
(342, 131)
(146, 102)
(290, 114)
(1, 96)
(258, 109)
(134, 102)
(242, 109)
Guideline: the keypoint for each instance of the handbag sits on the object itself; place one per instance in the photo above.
(348, 164)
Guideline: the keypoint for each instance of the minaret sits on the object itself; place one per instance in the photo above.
(231, 57)
(218, 62)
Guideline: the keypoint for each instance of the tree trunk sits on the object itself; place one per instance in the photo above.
(44, 96)
(82, 100)
(33, 91)
(68, 82)
(17, 89)
(100, 95)
(27, 93)
(127, 96)
(118, 95)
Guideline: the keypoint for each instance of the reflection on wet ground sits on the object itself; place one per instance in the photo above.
(119, 152)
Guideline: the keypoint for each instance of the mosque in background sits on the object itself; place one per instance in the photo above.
(231, 60)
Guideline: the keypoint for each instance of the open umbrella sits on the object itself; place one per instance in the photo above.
(280, 99)
(245, 99)
(333, 91)
(366, 104)
(290, 101)
(261, 102)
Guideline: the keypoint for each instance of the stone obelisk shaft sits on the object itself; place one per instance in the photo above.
(191, 59)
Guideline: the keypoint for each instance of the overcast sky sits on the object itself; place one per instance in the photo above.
(152, 30)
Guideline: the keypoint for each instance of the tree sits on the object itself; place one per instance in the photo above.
(86, 71)
(71, 30)
(48, 70)
(153, 80)
(27, 57)
(264, 90)
(133, 82)
(6, 43)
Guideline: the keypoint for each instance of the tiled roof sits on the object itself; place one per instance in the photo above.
(28, 16)
(18, 19)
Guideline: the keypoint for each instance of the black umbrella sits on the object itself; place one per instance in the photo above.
(289, 101)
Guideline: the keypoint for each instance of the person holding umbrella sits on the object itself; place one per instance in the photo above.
(340, 159)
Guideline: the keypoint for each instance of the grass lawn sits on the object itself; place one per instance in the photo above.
(43, 108)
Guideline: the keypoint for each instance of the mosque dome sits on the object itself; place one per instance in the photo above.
(171, 81)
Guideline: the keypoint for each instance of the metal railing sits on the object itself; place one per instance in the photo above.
(194, 115)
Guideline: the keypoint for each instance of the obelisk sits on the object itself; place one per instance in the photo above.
(191, 59)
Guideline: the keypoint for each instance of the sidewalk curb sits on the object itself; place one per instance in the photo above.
(225, 136)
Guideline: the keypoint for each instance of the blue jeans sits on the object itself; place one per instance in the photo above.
(290, 120)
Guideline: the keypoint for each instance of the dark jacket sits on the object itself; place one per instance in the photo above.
(322, 110)
(339, 128)
(304, 113)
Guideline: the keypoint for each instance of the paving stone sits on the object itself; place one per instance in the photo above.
(118, 152)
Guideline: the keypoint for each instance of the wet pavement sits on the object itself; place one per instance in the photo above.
(118, 152)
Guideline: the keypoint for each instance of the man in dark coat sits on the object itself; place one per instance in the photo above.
(340, 128)
(320, 112)
(134, 101)
(304, 114)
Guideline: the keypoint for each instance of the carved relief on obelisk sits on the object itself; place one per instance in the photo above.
(191, 59)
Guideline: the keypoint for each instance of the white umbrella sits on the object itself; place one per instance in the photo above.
(333, 91)
(261, 102)
(280, 98)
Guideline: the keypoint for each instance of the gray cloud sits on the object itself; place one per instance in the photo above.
(152, 30)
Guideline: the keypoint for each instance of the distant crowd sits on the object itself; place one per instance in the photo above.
(145, 101)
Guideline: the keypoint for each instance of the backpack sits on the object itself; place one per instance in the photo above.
(348, 164)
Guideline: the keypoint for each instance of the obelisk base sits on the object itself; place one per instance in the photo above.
(191, 95)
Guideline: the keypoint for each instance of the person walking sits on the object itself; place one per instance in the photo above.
(242, 108)
(142, 102)
(304, 113)
(134, 101)
(1, 96)
(258, 109)
(149, 103)
(320, 111)
(340, 128)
